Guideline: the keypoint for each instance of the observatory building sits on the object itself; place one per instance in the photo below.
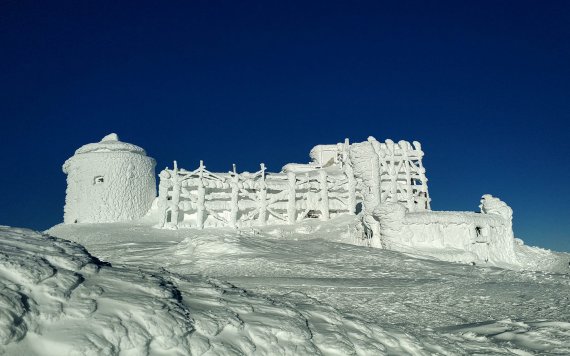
(383, 184)
(108, 181)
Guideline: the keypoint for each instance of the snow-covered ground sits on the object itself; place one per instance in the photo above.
(276, 290)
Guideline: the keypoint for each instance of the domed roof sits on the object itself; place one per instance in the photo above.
(110, 143)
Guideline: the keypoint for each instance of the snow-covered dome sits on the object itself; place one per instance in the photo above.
(108, 181)
(110, 142)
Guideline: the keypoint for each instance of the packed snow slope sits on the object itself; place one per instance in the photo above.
(288, 290)
(341, 299)
(57, 299)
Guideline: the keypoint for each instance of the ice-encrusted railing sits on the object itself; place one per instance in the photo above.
(402, 172)
(200, 198)
(391, 172)
(388, 171)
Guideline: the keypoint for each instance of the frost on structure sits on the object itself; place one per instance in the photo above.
(328, 186)
(391, 172)
(200, 198)
(108, 181)
(396, 212)
(113, 181)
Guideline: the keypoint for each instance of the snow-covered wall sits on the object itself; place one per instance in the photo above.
(486, 236)
(108, 181)
(396, 213)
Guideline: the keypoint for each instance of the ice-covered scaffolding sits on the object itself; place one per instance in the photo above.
(391, 172)
(324, 188)
(200, 198)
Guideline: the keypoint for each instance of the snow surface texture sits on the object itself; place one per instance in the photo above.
(57, 299)
(108, 181)
(301, 285)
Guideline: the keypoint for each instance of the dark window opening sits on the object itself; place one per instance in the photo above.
(98, 180)
(358, 208)
(313, 214)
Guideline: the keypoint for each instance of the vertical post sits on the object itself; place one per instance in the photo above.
(405, 146)
(393, 173)
(345, 148)
(201, 203)
(163, 186)
(235, 195)
(175, 196)
(378, 168)
(325, 215)
(292, 204)
(423, 178)
(351, 188)
(374, 197)
(262, 218)
(349, 172)
(307, 186)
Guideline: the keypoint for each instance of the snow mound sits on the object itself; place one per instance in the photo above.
(533, 258)
(55, 299)
(233, 321)
(309, 292)
(520, 338)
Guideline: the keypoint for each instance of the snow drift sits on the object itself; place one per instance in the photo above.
(57, 299)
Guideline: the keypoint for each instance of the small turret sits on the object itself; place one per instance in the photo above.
(108, 181)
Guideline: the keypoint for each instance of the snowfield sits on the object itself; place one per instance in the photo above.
(281, 290)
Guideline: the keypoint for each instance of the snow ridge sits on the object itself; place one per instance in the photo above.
(57, 299)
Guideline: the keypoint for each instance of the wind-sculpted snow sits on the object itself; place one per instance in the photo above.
(542, 337)
(57, 299)
(301, 285)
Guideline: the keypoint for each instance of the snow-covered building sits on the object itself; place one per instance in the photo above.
(396, 213)
(383, 183)
(108, 181)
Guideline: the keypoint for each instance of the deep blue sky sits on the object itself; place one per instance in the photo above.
(484, 85)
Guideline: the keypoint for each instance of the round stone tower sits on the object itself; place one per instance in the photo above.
(108, 181)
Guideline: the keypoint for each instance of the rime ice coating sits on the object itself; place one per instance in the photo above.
(110, 143)
(113, 181)
(108, 181)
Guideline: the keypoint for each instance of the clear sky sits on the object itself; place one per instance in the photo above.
(483, 85)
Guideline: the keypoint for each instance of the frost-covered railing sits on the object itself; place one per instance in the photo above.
(386, 171)
(391, 172)
(200, 198)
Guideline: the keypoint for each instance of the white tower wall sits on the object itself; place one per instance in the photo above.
(107, 182)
